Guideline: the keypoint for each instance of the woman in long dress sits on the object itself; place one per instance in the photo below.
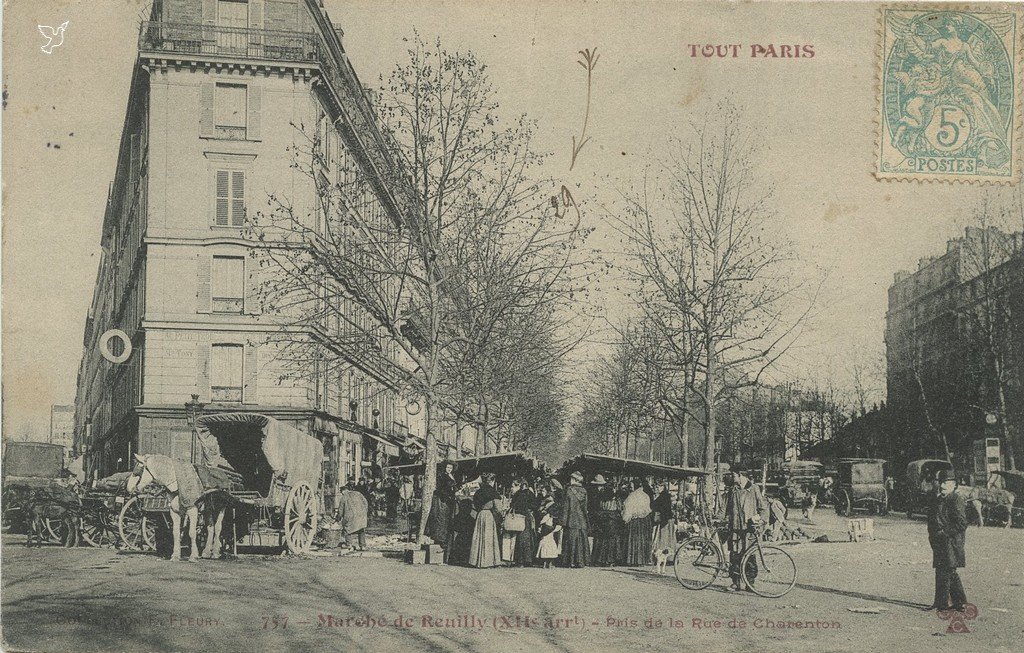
(607, 523)
(636, 512)
(524, 502)
(485, 550)
(575, 524)
(442, 508)
(665, 522)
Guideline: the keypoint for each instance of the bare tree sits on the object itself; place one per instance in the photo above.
(704, 256)
(417, 274)
(992, 259)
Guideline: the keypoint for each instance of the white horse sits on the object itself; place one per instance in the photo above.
(162, 470)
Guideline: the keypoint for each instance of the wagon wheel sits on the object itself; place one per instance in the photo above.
(843, 504)
(300, 518)
(138, 533)
(96, 529)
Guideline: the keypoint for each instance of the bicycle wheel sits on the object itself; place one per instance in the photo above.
(768, 571)
(698, 563)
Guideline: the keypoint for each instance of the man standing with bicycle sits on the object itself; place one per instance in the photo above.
(745, 508)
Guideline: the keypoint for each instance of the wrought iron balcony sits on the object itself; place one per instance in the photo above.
(235, 42)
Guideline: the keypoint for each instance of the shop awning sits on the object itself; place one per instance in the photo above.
(387, 445)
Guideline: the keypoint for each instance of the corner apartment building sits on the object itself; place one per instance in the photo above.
(940, 378)
(216, 92)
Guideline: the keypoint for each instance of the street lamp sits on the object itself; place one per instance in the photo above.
(193, 409)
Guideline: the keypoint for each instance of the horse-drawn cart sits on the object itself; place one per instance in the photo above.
(265, 474)
(861, 486)
(39, 495)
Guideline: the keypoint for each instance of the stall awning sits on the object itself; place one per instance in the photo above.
(384, 443)
(591, 464)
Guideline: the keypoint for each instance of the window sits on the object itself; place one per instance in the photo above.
(230, 110)
(230, 198)
(226, 373)
(228, 284)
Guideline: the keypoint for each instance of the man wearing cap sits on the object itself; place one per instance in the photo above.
(745, 507)
(947, 534)
(575, 523)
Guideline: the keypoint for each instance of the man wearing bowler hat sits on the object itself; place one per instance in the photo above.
(947, 532)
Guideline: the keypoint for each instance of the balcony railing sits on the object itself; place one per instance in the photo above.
(240, 42)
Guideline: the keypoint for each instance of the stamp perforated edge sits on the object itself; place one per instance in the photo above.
(1018, 123)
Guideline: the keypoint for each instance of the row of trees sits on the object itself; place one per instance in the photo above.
(449, 277)
(719, 294)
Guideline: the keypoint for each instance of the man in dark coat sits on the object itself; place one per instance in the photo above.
(745, 507)
(947, 534)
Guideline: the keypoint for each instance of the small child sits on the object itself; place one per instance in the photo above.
(548, 549)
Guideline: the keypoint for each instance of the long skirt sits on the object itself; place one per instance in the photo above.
(638, 541)
(526, 543)
(607, 550)
(485, 551)
(665, 538)
(575, 548)
(439, 521)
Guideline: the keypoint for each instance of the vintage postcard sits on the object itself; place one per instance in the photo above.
(437, 325)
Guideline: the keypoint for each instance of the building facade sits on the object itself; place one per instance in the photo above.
(953, 348)
(62, 427)
(216, 93)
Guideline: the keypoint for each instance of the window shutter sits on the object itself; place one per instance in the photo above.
(237, 198)
(250, 393)
(222, 197)
(206, 126)
(255, 109)
(203, 284)
(256, 23)
(209, 20)
(203, 371)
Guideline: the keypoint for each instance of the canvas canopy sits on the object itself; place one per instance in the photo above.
(33, 460)
(590, 464)
(247, 442)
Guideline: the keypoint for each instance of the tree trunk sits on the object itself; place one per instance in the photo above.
(430, 460)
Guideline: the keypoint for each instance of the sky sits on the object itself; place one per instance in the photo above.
(815, 118)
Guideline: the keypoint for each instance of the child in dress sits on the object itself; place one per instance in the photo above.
(548, 549)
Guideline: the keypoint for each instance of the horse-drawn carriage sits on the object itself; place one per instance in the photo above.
(39, 494)
(860, 485)
(794, 480)
(260, 475)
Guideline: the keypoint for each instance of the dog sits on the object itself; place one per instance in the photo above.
(661, 558)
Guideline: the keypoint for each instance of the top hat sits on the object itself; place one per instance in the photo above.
(598, 480)
(945, 475)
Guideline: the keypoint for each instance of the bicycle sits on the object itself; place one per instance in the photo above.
(767, 570)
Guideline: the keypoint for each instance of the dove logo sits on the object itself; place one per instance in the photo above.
(54, 37)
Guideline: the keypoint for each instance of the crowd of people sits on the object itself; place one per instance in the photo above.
(540, 522)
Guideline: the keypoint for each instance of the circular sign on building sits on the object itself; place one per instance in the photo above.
(108, 347)
(991, 418)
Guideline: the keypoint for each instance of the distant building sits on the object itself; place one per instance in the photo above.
(62, 427)
(948, 324)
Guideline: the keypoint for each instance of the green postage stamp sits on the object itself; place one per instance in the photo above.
(950, 93)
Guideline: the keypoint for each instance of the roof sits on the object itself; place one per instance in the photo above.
(593, 463)
(509, 462)
(289, 452)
